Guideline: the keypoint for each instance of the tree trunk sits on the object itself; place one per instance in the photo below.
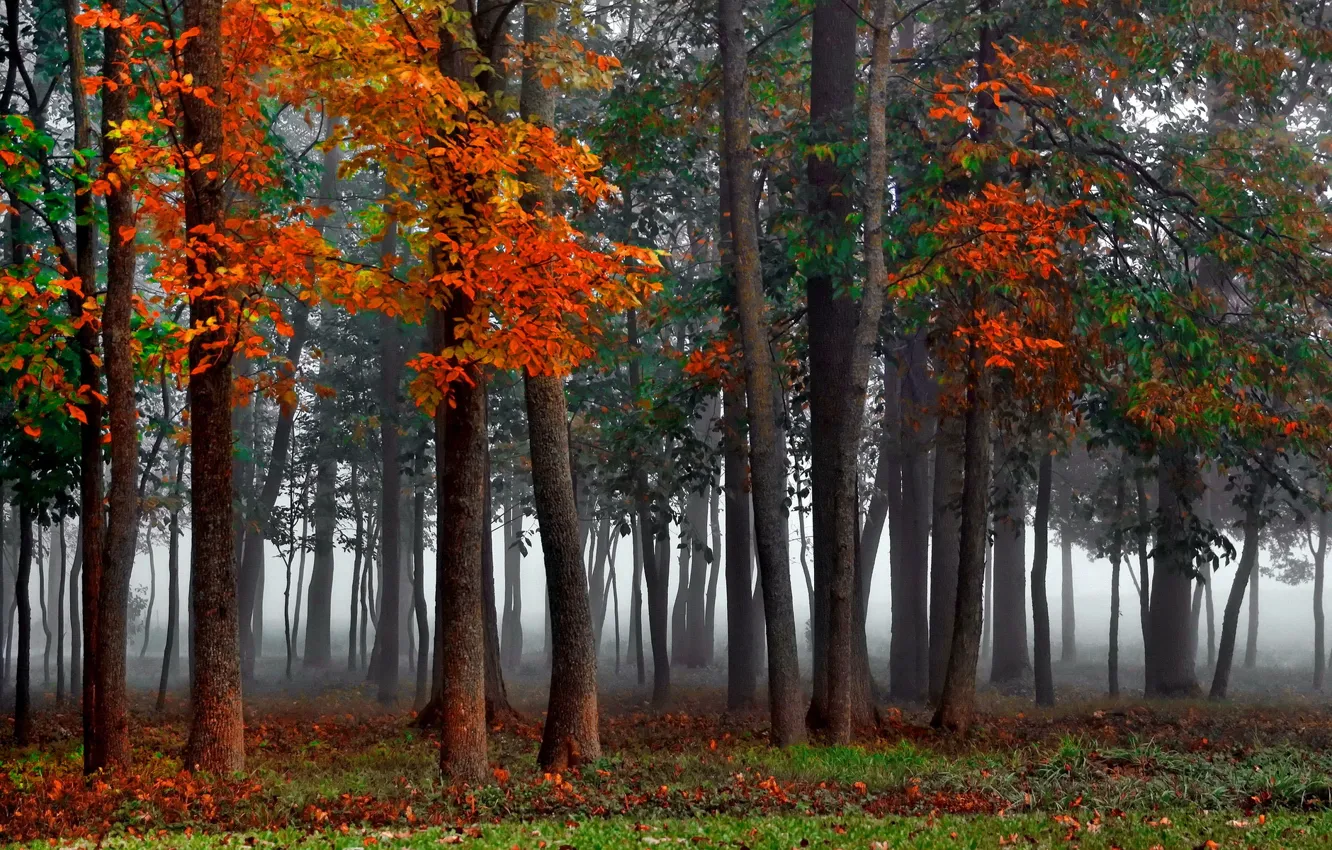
(1248, 562)
(741, 669)
(60, 619)
(319, 605)
(832, 317)
(1040, 603)
(1144, 572)
(152, 601)
(571, 734)
(75, 627)
(1068, 653)
(498, 709)
(1169, 667)
(636, 603)
(946, 532)
(357, 582)
(1319, 558)
(1251, 646)
(1010, 660)
(418, 589)
(1116, 556)
(217, 729)
(41, 601)
(511, 623)
(459, 595)
(708, 640)
(171, 652)
(22, 683)
(1211, 618)
(112, 728)
(767, 450)
(390, 504)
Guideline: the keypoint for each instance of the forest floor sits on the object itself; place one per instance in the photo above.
(328, 767)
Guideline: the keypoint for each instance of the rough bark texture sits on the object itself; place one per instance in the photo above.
(461, 461)
(1040, 602)
(112, 727)
(1248, 563)
(767, 450)
(571, 734)
(217, 731)
(832, 316)
(1010, 659)
(1169, 667)
(946, 536)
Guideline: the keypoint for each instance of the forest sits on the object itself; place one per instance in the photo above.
(581, 424)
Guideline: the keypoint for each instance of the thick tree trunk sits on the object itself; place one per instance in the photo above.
(1011, 660)
(571, 734)
(1211, 618)
(1169, 667)
(22, 683)
(460, 597)
(1251, 646)
(741, 666)
(946, 535)
(217, 739)
(1040, 602)
(1248, 562)
(767, 450)
(1068, 638)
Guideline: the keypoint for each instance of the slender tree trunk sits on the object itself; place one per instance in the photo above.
(75, 626)
(1040, 602)
(112, 728)
(1251, 646)
(571, 733)
(319, 607)
(636, 604)
(300, 569)
(1068, 619)
(387, 630)
(418, 589)
(946, 535)
(1211, 619)
(1144, 576)
(767, 450)
(708, 640)
(358, 556)
(1319, 558)
(1116, 556)
(217, 739)
(987, 645)
(511, 623)
(22, 683)
(1248, 562)
(171, 652)
(60, 619)
(152, 601)
(498, 709)
(41, 602)
(741, 669)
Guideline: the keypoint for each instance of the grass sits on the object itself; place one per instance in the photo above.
(355, 776)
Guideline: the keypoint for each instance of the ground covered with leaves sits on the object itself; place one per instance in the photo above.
(341, 772)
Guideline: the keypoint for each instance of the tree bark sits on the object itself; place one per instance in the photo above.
(946, 536)
(42, 602)
(171, 653)
(423, 666)
(498, 709)
(22, 683)
(1144, 571)
(1068, 638)
(571, 735)
(60, 619)
(1169, 667)
(767, 450)
(1040, 603)
(1247, 564)
(741, 669)
(319, 605)
(1116, 556)
(217, 739)
(1319, 558)
(459, 596)
(75, 627)
(390, 503)
(1251, 646)
(1010, 660)
(511, 623)
(358, 581)
(636, 604)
